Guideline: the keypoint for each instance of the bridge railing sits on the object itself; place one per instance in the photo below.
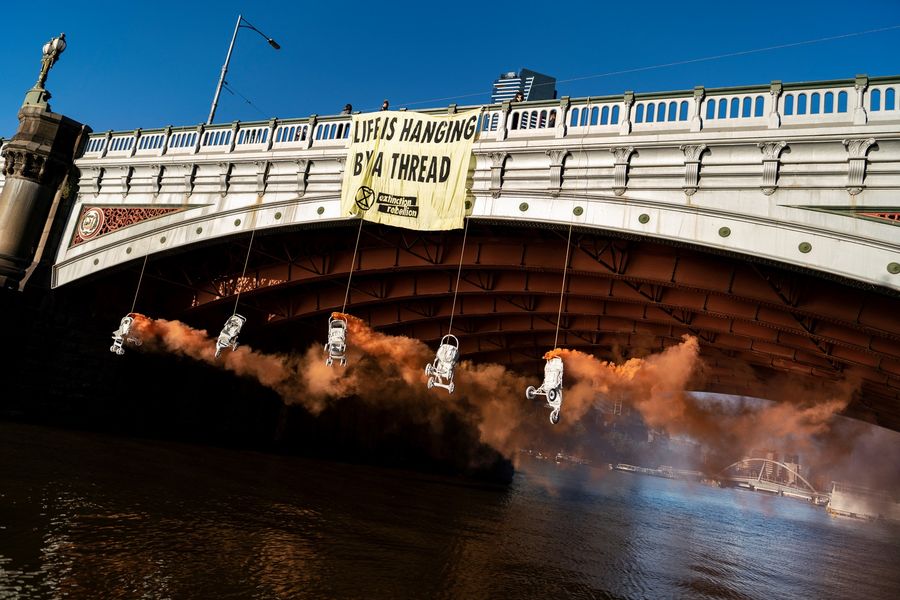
(854, 101)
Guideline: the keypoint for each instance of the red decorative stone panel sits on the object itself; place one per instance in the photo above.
(95, 221)
(888, 216)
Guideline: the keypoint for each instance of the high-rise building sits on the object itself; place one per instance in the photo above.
(534, 86)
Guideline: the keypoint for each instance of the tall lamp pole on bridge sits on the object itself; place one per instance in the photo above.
(241, 22)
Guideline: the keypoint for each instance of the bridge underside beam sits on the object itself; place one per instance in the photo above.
(624, 297)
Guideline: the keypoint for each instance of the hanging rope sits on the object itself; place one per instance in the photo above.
(352, 264)
(563, 290)
(243, 273)
(458, 273)
(140, 279)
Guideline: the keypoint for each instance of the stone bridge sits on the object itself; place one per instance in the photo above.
(762, 219)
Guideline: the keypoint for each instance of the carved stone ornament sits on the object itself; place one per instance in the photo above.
(620, 170)
(224, 178)
(19, 163)
(557, 160)
(156, 178)
(856, 171)
(95, 221)
(90, 223)
(771, 152)
(692, 156)
(189, 172)
(262, 176)
(302, 175)
(498, 160)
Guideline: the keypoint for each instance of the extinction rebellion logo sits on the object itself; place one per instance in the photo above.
(398, 206)
(365, 196)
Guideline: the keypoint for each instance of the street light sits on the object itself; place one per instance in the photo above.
(241, 22)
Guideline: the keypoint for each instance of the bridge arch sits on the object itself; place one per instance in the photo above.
(766, 461)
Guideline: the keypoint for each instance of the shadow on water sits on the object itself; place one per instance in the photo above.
(87, 515)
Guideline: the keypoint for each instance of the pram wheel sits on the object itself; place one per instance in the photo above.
(343, 362)
(530, 392)
(430, 382)
(328, 362)
(452, 387)
(120, 351)
(552, 394)
(428, 369)
(554, 417)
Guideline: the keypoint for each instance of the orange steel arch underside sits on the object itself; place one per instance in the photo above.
(756, 321)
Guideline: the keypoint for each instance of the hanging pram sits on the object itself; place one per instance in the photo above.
(336, 347)
(440, 372)
(228, 337)
(551, 387)
(123, 335)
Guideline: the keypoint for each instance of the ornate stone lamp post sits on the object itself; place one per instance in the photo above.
(36, 162)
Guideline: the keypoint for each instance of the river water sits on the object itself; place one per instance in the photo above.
(91, 516)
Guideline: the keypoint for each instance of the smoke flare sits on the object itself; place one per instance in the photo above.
(388, 371)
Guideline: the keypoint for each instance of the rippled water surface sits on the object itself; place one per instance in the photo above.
(91, 516)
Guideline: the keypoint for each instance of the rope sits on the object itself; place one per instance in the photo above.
(140, 279)
(458, 273)
(352, 264)
(563, 290)
(243, 273)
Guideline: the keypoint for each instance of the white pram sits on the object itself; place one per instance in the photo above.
(336, 348)
(123, 334)
(440, 372)
(229, 334)
(551, 387)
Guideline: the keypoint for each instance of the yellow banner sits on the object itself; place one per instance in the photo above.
(409, 169)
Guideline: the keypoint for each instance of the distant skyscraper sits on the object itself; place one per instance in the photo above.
(534, 86)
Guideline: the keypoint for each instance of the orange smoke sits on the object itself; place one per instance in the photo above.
(388, 371)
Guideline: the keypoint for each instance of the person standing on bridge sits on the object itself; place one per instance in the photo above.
(348, 109)
(519, 97)
(385, 105)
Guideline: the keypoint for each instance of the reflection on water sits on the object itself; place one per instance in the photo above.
(84, 515)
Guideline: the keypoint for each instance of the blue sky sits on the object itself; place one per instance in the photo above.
(137, 64)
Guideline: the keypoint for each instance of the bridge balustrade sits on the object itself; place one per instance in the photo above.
(662, 114)
(680, 166)
(150, 144)
(883, 102)
(595, 117)
(121, 145)
(676, 112)
(830, 104)
(524, 120)
(736, 110)
(290, 135)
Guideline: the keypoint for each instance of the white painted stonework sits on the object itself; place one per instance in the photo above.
(763, 174)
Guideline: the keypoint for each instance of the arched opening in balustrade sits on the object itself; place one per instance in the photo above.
(789, 105)
(875, 101)
(889, 99)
